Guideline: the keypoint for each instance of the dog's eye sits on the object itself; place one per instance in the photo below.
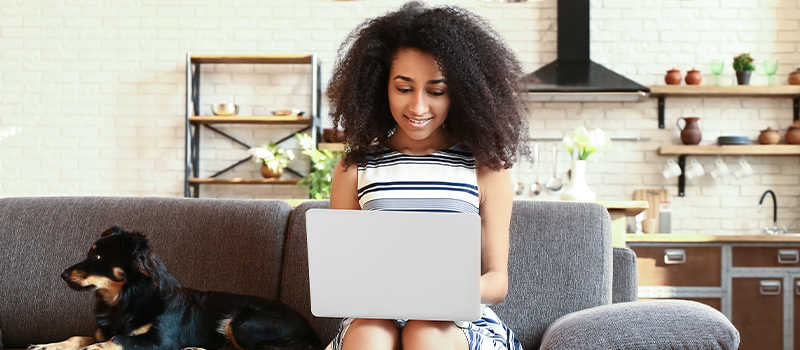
(96, 257)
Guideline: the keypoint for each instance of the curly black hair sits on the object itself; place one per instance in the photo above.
(482, 72)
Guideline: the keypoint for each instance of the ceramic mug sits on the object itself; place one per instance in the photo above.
(744, 169)
(695, 169)
(672, 169)
(721, 169)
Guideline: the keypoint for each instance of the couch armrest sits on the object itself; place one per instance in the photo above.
(625, 287)
(655, 324)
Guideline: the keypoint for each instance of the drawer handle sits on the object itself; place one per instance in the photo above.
(788, 256)
(674, 256)
(770, 287)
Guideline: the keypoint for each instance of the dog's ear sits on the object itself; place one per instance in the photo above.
(133, 243)
(111, 231)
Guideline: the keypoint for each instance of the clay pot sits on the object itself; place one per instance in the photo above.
(743, 77)
(794, 77)
(268, 173)
(693, 77)
(769, 137)
(793, 134)
(332, 135)
(690, 133)
(673, 77)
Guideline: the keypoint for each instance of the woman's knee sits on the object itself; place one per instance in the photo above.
(371, 334)
(433, 334)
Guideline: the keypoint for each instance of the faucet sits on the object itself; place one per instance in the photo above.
(774, 230)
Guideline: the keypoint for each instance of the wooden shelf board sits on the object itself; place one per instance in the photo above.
(251, 120)
(699, 238)
(331, 146)
(252, 59)
(722, 91)
(240, 181)
(774, 150)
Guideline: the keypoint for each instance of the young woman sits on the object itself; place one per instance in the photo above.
(427, 99)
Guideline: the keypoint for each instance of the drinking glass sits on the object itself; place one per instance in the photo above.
(770, 67)
(717, 66)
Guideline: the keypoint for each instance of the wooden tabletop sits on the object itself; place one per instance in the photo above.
(691, 238)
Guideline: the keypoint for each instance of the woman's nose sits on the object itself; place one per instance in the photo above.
(419, 103)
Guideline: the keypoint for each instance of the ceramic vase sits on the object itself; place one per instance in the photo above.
(577, 190)
(269, 173)
(673, 77)
(693, 77)
(793, 134)
(794, 77)
(690, 133)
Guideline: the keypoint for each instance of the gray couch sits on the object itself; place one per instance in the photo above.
(569, 288)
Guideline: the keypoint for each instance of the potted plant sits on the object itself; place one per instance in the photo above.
(272, 158)
(743, 65)
(318, 181)
(582, 144)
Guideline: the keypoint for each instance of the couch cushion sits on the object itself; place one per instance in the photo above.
(560, 261)
(626, 281)
(653, 324)
(294, 286)
(210, 244)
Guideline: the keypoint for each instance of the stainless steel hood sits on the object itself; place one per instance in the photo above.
(573, 76)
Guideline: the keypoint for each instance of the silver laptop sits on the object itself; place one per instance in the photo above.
(406, 265)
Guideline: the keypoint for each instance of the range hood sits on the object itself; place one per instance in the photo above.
(573, 77)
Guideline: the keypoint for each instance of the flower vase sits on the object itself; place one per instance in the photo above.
(269, 173)
(577, 190)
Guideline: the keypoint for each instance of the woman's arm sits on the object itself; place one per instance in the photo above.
(344, 188)
(496, 201)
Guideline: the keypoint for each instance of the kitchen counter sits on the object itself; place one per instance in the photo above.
(692, 238)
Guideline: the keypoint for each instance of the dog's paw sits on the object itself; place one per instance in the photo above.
(73, 343)
(103, 346)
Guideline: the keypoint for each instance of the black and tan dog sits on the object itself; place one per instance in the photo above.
(141, 306)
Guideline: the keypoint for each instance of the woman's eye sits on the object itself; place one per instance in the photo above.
(403, 90)
(436, 93)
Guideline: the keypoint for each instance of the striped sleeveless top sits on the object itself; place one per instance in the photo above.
(444, 181)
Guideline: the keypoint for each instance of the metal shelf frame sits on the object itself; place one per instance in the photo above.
(192, 141)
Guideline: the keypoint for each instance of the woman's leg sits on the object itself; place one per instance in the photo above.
(370, 334)
(433, 335)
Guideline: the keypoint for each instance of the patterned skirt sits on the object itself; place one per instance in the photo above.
(488, 333)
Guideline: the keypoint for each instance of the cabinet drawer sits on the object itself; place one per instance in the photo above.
(765, 256)
(679, 266)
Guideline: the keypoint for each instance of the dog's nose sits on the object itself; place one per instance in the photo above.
(66, 274)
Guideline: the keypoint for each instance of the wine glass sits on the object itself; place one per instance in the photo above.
(717, 66)
(770, 67)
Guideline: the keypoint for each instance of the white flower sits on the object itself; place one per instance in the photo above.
(586, 142)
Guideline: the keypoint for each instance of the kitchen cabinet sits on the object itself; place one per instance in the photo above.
(753, 280)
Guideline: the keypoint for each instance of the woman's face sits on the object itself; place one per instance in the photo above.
(418, 95)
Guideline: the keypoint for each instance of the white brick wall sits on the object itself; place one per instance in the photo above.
(93, 92)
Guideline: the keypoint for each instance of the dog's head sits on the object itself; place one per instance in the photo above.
(110, 262)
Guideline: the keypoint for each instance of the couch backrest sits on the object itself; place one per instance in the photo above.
(560, 261)
(294, 284)
(225, 245)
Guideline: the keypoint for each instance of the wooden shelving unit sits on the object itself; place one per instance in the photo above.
(241, 181)
(724, 91)
(662, 91)
(709, 150)
(331, 146)
(195, 123)
(766, 150)
(270, 120)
